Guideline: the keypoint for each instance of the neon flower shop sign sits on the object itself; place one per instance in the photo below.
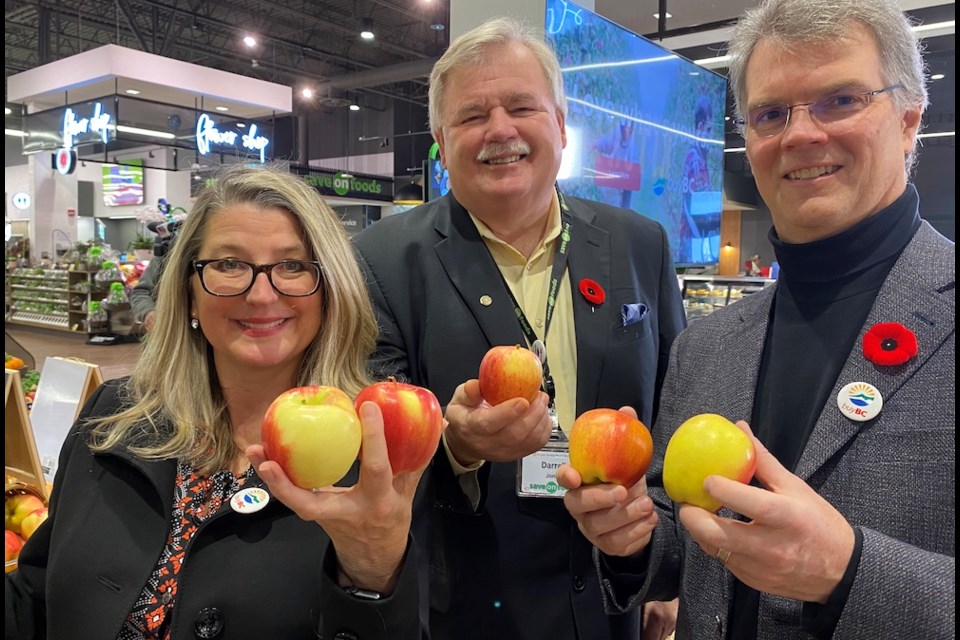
(75, 127)
(208, 135)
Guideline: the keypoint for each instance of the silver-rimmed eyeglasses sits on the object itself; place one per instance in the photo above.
(771, 119)
(227, 277)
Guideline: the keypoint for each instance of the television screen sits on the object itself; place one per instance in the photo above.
(123, 183)
(644, 129)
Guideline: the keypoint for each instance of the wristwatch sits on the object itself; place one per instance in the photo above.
(363, 594)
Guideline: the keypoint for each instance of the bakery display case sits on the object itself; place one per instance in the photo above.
(702, 295)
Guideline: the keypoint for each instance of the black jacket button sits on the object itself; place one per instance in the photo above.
(578, 584)
(208, 623)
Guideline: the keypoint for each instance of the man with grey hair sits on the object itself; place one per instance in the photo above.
(845, 369)
(451, 279)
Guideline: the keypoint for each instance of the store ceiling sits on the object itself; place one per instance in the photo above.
(316, 43)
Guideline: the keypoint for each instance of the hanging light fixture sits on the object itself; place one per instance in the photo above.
(367, 31)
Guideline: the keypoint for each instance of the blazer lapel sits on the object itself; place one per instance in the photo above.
(475, 276)
(743, 344)
(589, 258)
(910, 297)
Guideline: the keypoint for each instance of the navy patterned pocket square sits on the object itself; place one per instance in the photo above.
(633, 313)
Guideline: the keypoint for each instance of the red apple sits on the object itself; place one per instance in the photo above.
(412, 422)
(12, 543)
(706, 445)
(17, 507)
(31, 521)
(313, 433)
(509, 372)
(610, 446)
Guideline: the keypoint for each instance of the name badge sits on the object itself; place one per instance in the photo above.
(537, 473)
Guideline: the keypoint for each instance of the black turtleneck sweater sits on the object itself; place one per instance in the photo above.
(824, 293)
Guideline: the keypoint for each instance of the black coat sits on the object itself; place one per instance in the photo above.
(258, 576)
(517, 568)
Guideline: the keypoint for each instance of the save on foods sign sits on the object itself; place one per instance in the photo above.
(347, 185)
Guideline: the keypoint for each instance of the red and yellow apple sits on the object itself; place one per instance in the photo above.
(313, 433)
(509, 372)
(610, 446)
(706, 445)
(12, 543)
(31, 521)
(412, 422)
(17, 507)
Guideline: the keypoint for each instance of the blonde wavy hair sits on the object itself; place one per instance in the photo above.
(172, 404)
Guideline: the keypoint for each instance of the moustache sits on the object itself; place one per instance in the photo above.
(495, 150)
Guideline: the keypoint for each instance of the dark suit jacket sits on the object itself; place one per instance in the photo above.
(517, 568)
(892, 477)
(259, 575)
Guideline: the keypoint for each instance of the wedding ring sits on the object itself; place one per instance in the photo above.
(723, 555)
(320, 490)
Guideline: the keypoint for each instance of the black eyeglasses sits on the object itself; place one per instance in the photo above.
(771, 119)
(229, 277)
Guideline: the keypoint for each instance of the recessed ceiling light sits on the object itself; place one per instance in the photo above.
(937, 76)
(250, 41)
(354, 107)
(7, 111)
(241, 125)
(223, 109)
(133, 92)
(657, 15)
(307, 92)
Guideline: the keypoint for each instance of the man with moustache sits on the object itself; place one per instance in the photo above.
(448, 280)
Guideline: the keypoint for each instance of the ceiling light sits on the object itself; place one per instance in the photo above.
(145, 132)
(713, 63)
(657, 15)
(354, 107)
(437, 26)
(935, 134)
(7, 111)
(367, 31)
(250, 41)
(306, 92)
(734, 149)
(937, 76)
(14, 132)
(241, 125)
(221, 108)
(133, 92)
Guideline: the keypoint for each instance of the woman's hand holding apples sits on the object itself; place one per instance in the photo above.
(795, 544)
(369, 522)
(505, 432)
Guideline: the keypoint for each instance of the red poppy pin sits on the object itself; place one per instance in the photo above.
(592, 291)
(889, 344)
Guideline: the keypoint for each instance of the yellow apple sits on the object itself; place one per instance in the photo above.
(313, 433)
(17, 507)
(706, 445)
(31, 521)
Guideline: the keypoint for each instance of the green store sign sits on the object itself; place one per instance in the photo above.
(344, 185)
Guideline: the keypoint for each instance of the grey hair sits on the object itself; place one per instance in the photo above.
(795, 23)
(469, 48)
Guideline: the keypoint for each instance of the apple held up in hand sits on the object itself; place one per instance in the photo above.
(412, 422)
(313, 433)
(610, 446)
(509, 372)
(706, 445)
(31, 521)
(17, 507)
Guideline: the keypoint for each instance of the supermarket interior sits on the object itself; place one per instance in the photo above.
(120, 113)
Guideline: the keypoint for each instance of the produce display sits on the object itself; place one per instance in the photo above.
(24, 512)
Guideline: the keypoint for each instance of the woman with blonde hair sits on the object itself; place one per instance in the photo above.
(146, 536)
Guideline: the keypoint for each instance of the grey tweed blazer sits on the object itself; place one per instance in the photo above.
(892, 477)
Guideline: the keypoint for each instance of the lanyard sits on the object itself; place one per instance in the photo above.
(556, 274)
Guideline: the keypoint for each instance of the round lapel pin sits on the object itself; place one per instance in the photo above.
(860, 401)
(486, 301)
(249, 500)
